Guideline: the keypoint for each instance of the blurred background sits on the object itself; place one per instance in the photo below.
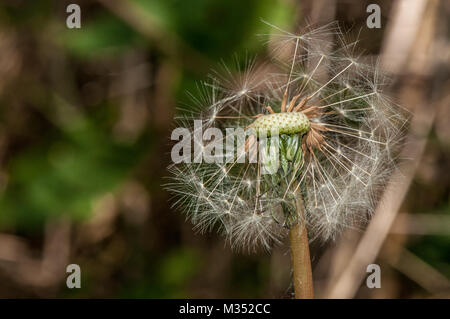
(85, 122)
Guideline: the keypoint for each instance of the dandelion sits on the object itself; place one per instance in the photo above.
(338, 135)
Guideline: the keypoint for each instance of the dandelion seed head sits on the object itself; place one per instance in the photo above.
(338, 165)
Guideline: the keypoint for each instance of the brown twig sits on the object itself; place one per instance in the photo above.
(414, 268)
(347, 283)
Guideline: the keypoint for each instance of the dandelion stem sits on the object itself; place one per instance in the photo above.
(301, 261)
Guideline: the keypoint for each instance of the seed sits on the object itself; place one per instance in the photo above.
(284, 123)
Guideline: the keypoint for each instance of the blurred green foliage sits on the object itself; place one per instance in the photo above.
(106, 35)
(64, 175)
(169, 277)
(66, 172)
(64, 156)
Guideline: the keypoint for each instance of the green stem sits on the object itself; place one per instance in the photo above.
(301, 260)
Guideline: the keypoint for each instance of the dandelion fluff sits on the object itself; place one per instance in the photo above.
(338, 138)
